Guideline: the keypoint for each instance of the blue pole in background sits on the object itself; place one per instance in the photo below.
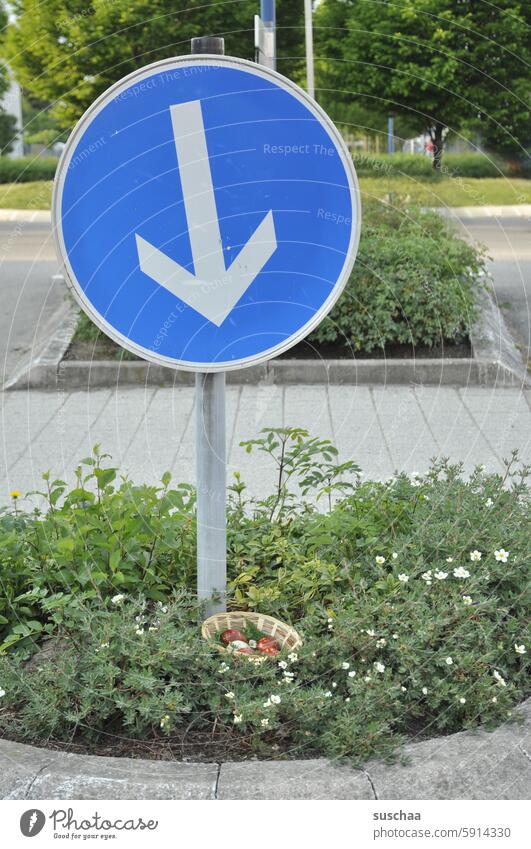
(267, 11)
(266, 34)
(390, 135)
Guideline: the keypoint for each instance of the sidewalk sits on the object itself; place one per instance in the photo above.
(149, 431)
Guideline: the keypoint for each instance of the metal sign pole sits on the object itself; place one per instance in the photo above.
(308, 28)
(211, 460)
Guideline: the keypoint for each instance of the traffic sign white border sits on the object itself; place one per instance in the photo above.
(174, 64)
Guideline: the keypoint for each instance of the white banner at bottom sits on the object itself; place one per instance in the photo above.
(265, 824)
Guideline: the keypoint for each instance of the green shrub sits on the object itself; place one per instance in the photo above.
(411, 597)
(27, 169)
(414, 282)
(475, 165)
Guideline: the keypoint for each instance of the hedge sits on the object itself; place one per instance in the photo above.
(27, 169)
(414, 165)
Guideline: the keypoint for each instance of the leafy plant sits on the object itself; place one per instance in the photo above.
(414, 282)
(411, 597)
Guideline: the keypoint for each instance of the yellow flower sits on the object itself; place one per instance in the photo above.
(15, 493)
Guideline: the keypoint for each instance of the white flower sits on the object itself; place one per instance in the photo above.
(117, 599)
(367, 678)
(404, 689)
(501, 555)
(380, 560)
(441, 575)
(104, 646)
(489, 502)
(475, 556)
(462, 700)
(289, 675)
(381, 643)
(162, 607)
(461, 573)
(449, 559)
(229, 695)
(426, 576)
(494, 699)
(403, 577)
(370, 632)
(164, 721)
(347, 699)
(330, 627)
(293, 657)
(425, 691)
(275, 700)
(282, 664)
(252, 644)
(467, 600)
(265, 722)
(395, 636)
(352, 674)
(152, 628)
(379, 666)
(224, 668)
(501, 681)
(345, 665)
(328, 694)
(2, 693)
(395, 555)
(449, 661)
(139, 632)
(237, 718)
(329, 620)
(519, 649)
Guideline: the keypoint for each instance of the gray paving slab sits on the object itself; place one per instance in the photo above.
(159, 437)
(407, 431)
(312, 779)
(357, 430)
(503, 418)
(454, 429)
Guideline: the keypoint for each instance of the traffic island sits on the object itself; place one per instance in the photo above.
(495, 361)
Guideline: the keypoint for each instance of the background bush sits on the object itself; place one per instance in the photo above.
(414, 282)
(27, 169)
(414, 165)
(411, 597)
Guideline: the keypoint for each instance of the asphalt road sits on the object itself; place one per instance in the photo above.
(28, 295)
(508, 241)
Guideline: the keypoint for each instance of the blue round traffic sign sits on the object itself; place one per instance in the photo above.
(207, 213)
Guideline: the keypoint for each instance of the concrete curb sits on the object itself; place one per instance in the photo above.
(42, 215)
(495, 363)
(522, 210)
(467, 765)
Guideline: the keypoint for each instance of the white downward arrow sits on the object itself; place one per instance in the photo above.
(212, 290)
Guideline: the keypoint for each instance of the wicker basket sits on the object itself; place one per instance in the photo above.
(285, 634)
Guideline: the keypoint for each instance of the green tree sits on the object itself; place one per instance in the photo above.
(7, 122)
(445, 64)
(66, 52)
